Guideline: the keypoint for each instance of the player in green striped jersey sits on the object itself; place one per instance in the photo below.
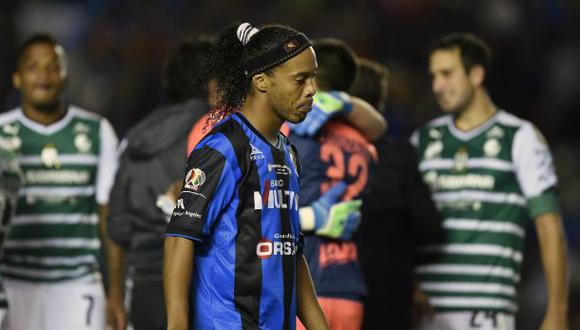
(67, 156)
(10, 182)
(489, 172)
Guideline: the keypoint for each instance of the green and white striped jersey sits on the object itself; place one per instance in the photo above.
(10, 182)
(68, 169)
(487, 183)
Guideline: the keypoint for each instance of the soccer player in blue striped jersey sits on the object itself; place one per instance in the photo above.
(233, 256)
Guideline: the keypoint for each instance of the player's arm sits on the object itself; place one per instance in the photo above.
(552, 242)
(116, 265)
(537, 178)
(208, 189)
(331, 218)
(425, 218)
(114, 255)
(177, 270)
(118, 239)
(309, 311)
(366, 119)
(359, 113)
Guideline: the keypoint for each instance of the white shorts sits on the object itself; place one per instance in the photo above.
(71, 305)
(2, 318)
(476, 320)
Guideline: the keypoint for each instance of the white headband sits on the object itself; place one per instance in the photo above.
(245, 32)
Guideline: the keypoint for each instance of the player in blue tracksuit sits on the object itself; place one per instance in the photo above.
(233, 255)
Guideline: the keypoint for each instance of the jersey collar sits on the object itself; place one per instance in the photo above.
(467, 135)
(45, 129)
(257, 133)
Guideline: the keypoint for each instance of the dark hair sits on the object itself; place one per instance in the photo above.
(228, 56)
(368, 84)
(184, 76)
(474, 51)
(337, 64)
(38, 38)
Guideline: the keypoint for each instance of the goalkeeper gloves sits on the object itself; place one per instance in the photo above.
(331, 218)
(326, 106)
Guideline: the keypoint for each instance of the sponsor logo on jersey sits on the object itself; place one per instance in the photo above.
(276, 198)
(57, 177)
(455, 182)
(81, 128)
(10, 143)
(337, 253)
(11, 129)
(491, 147)
(266, 248)
(256, 153)
(433, 150)
(280, 169)
(179, 213)
(180, 210)
(194, 179)
(495, 132)
(83, 143)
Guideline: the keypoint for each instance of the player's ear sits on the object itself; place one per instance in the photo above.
(16, 81)
(477, 75)
(259, 82)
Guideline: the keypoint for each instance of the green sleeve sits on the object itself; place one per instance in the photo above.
(546, 202)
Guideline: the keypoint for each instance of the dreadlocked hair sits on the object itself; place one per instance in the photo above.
(226, 60)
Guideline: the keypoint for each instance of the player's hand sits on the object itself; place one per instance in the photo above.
(555, 321)
(166, 202)
(334, 219)
(326, 106)
(422, 310)
(116, 313)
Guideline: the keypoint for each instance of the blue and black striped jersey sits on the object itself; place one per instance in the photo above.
(240, 205)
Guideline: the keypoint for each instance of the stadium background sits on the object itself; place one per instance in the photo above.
(116, 49)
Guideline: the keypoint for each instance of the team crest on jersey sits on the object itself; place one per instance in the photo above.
(256, 153)
(435, 134)
(49, 156)
(194, 179)
(83, 143)
(460, 160)
(491, 147)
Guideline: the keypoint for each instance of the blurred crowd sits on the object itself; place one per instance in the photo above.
(116, 51)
